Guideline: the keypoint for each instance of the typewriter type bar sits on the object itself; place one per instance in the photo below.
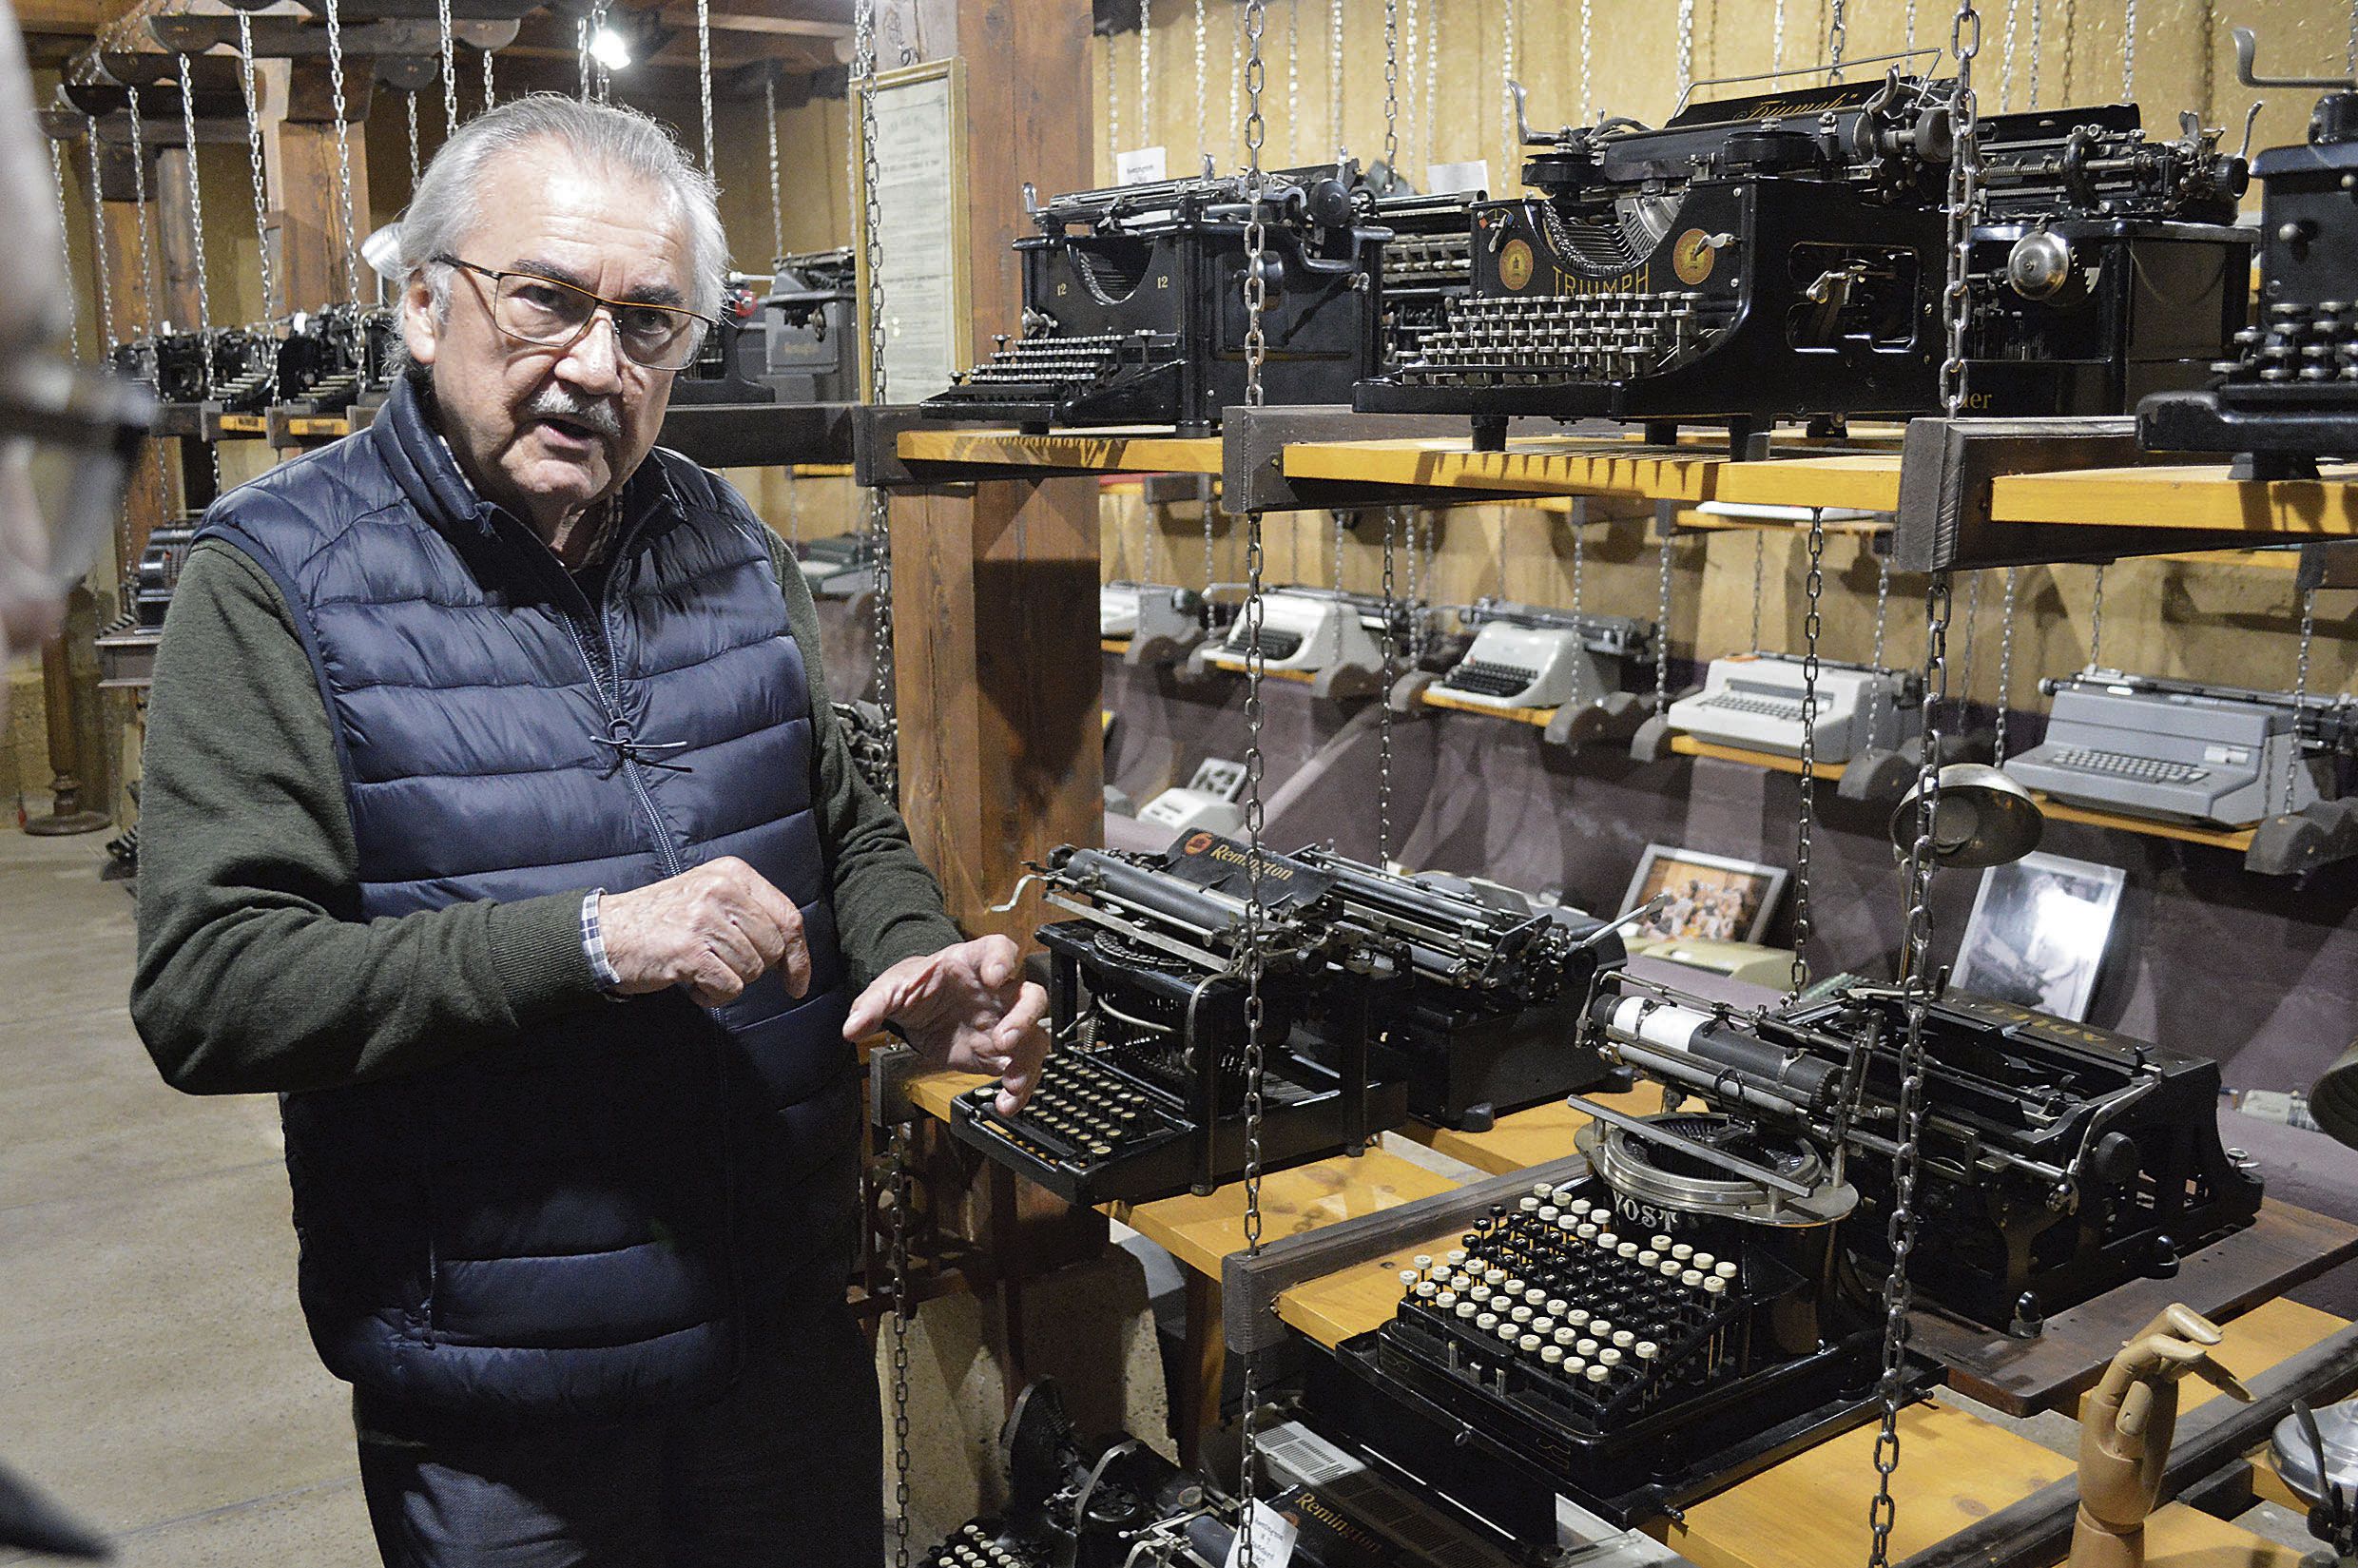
(1134, 304)
(1778, 258)
(2287, 392)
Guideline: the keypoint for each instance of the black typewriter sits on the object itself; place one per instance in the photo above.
(1077, 1503)
(229, 368)
(1781, 257)
(1428, 261)
(1134, 303)
(127, 645)
(789, 337)
(2287, 393)
(336, 357)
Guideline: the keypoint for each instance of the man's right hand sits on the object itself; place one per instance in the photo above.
(715, 930)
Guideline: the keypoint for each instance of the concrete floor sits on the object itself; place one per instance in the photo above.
(155, 1377)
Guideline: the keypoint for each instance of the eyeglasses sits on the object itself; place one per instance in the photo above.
(547, 313)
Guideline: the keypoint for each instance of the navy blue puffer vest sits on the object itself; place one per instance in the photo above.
(577, 1224)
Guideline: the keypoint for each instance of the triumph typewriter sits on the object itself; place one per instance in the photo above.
(1780, 256)
(1753, 701)
(2180, 751)
(1075, 1503)
(1525, 656)
(2287, 392)
(336, 357)
(1134, 303)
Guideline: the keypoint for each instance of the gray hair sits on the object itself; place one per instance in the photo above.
(443, 210)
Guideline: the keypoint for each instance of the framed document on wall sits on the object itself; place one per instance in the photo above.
(921, 224)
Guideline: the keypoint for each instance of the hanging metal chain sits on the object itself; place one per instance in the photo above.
(2300, 699)
(1114, 102)
(1391, 94)
(603, 74)
(148, 247)
(1964, 662)
(262, 183)
(1210, 506)
(1432, 89)
(1776, 42)
(2128, 51)
(1334, 73)
(1202, 88)
(2006, 54)
(1837, 38)
(1423, 630)
(1410, 21)
(1383, 715)
(1338, 519)
(777, 187)
(1293, 79)
(879, 502)
(2349, 49)
(410, 100)
(2070, 40)
(1580, 521)
(1256, 301)
(704, 81)
(581, 47)
(450, 68)
(491, 90)
(1588, 36)
(1760, 573)
(1875, 658)
(1510, 161)
(1686, 45)
(1153, 527)
(897, 1222)
(1501, 557)
(196, 217)
(1812, 625)
(344, 153)
(1909, 26)
(1662, 631)
(2095, 624)
(1146, 72)
(2039, 41)
(2005, 665)
(65, 244)
(98, 238)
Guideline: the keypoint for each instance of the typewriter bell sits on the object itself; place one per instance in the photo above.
(2039, 265)
(1983, 818)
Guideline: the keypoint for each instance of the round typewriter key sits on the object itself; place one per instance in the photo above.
(1552, 1354)
(1725, 1268)
(1682, 1252)
(1486, 1321)
(1714, 1286)
(1543, 1326)
(1509, 1332)
(1600, 1329)
(1691, 1278)
(1520, 1314)
(1528, 1343)
(1627, 1250)
(1529, 1206)
(1548, 1211)
(1479, 1292)
(1566, 1223)
(1577, 1317)
(1607, 1239)
(1493, 1276)
(1541, 1188)
(1648, 1258)
(1422, 1260)
(1704, 1261)
(1536, 1296)
(1661, 1244)
(1457, 1254)
(1427, 1289)
(1609, 1357)
(1579, 1206)
(1586, 1346)
(1447, 1298)
(1588, 1232)
(1465, 1308)
(1648, 1351)
(1598, 1374)
(1624, 1338)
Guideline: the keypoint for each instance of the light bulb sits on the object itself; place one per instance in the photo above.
(609, 49)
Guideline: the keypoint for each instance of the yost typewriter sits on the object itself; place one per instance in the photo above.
(2287, 395)
(1134, 303)
(1526, 656)
(1779, 258)
(336, 358)
(1144, 1097)
(1753, 701)
(1076, 1504)
(2180, 751)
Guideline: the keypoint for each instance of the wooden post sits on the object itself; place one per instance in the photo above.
(995, 592)
(311, 232)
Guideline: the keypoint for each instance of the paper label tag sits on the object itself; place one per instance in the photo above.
(1445, 178)
(1138, 165)
(1272, 1539)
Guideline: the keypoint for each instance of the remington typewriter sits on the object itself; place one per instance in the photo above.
(1524, 656)
(2179, 751)
(1316, 632)
(1780, 256)
(336, 358)
(2286, 392)
(1753, 701)
(1134, 307)
(1075, 1503)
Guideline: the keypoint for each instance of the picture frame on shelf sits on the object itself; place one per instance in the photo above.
(1714, 898)
(2038, 932)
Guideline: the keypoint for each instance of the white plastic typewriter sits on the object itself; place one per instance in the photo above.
(1753, 701)
(1207, 800)
(1307, 630)
(1523, 657)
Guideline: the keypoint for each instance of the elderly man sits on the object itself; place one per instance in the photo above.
(496, 819)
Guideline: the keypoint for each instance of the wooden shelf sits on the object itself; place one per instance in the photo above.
(1113, 645)
(2191, 496)
(1234, 665)
(1850, 476)
(1200, 1232)
(1686, 745)
(2236, 839)
(1526, 1138)
(1135, 450)
(1538, 717)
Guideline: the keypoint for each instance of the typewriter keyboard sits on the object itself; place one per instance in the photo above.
(974, 1547)
(1583, 337)
(1485, 679)
(1048, 362)
(1754, 704)
(1557, 1306)
(1275, 644)
(2299, 345)
(1082, 1112)
(2125, 765)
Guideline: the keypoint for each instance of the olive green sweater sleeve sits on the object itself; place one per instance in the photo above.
(256, 973)
(887, 904)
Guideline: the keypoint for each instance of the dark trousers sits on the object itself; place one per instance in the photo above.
(786, 1469)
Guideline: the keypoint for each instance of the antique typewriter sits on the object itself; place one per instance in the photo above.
(1206, 802)
(2180, 751)
(841, 565)
(1753, 701)
(336, 358)
(1134, 307)
(1428, 261)
(1780, 256)
(810, 332)
(2287, 392)
(1151, 612)
(1076, 1504)
(1320, 632)
(126, 646)
(1524, 656)
(229, 368)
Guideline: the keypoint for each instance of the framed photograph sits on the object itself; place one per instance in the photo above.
(1713, 896)
(2038, 934)
(920, 116)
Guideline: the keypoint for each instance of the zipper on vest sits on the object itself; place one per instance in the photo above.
(607, 685)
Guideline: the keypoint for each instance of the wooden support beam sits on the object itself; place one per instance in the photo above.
(1002, 755)
(303, 187)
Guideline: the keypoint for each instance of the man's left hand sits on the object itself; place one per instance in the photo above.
(966, 1007)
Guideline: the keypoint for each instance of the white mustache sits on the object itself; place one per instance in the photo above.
(557, 401)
